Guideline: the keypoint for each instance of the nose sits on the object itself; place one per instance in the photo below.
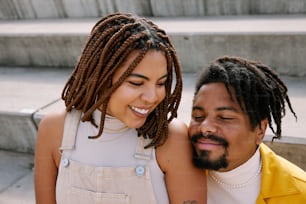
(150, 95)
(208, 126)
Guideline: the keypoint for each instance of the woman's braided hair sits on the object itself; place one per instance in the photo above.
(111, 41)
(258, 89)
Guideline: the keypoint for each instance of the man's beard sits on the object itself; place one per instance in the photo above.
(201, 158)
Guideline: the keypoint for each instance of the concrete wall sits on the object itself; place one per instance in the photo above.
(295, 153)
(32, 9)
(41, 50)
(18, 132)
(283, 52)
(225, 7)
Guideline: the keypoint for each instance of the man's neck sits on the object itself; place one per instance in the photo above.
(242, 182)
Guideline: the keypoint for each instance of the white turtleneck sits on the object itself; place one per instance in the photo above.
(238, 186)
(115, 148)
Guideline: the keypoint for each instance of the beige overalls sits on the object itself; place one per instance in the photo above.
(84, 184)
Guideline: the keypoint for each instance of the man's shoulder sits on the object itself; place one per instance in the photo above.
(277, 163)
(282, 181)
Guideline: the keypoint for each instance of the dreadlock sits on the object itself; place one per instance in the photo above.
(258, 89)
(109, 44)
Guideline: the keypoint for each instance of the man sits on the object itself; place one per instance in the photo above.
(235, 100)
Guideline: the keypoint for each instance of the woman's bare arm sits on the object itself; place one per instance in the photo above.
(47, 157)
(185, 183)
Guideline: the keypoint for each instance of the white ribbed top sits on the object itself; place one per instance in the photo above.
(238, 186)
(115, 148)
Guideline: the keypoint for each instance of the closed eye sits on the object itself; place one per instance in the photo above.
(226, 118)
(198, 118)
(162, 83)
(136, 83)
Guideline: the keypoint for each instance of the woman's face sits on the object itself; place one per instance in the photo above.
(142, 91)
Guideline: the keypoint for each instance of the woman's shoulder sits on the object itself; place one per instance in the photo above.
(53, 120)
(184, 181)
(176, 145)
(177, 128)
(50, 131)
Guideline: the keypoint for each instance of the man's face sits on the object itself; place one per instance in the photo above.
(220, 131)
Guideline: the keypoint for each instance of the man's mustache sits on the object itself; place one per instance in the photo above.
(220, 140)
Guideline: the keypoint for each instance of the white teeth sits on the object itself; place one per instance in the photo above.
(139, 110)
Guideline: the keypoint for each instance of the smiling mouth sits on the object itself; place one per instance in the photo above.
(140, 110)
(208, 144)
(208, 141)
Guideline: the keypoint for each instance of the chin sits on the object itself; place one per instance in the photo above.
(202, 160)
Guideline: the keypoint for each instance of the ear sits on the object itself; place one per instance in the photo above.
(261, 130)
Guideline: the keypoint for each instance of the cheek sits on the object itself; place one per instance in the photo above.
(241, 141)
(192, 129)
(124, 93)
(110, 107)
(118, 99)
(161, 94)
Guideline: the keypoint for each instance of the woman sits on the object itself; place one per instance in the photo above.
(118, 140)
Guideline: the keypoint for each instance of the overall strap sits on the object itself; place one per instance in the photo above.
(141, 152)
(72, 121)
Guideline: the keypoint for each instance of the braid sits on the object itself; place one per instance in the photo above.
(109, 44)
(258, 89)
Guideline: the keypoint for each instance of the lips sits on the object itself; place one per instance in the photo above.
(208, 139)
(141, 111)
(208, 145)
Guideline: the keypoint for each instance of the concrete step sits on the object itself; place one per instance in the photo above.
(16, 178)
(279, 41)
(29, 9)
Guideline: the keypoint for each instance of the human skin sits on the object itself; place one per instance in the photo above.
(139, 94)
(214, 112)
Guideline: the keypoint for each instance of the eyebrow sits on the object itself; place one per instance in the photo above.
(228, 108)
(197, 108)
(146, 78)
(217, 109)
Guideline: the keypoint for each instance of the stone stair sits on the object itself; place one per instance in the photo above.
(53, 9)
(52, 33)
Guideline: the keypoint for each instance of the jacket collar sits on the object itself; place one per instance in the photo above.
(277, 177)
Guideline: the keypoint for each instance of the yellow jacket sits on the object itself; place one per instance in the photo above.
(282, 182)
